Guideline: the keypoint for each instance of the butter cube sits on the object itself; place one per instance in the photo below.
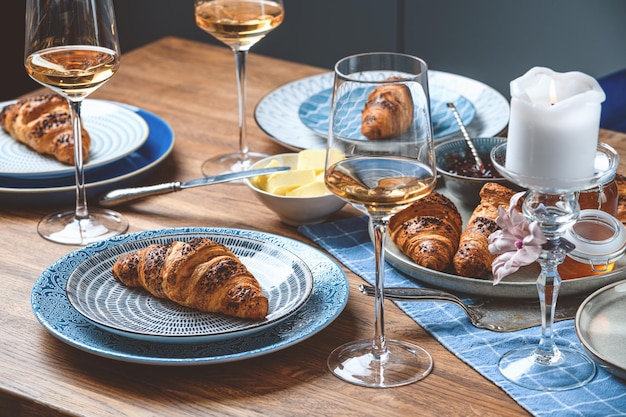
(312, 189)
(282, 182)
(316, 159)
(261, 180)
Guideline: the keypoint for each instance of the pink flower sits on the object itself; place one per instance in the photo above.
(518, 242)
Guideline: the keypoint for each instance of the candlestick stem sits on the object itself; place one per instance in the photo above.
(548, 285)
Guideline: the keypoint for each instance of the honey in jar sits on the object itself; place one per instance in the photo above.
(600, 240)
(602, 197)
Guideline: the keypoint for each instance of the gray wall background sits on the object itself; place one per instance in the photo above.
(493, 41)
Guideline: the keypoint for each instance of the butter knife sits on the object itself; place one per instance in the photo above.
(124, 195)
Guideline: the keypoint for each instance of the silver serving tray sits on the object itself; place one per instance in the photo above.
(518, 285)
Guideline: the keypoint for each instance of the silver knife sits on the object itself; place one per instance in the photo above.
(124, 195)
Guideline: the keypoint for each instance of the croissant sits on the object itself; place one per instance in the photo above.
(44, 124)
(428, 231)
(473, 258)
(200, 274)
(388, 112)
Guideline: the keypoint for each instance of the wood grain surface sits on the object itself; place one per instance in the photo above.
(192, 86)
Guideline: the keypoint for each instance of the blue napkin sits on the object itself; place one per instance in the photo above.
(349, 242)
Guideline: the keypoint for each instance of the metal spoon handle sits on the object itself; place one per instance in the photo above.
(466, 135)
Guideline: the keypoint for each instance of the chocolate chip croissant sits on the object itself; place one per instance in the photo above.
(200, 274)
(473, 258)
(388, 112)
(428, 231)
(44, 124)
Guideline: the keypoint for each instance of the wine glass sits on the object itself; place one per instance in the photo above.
(380, 159)
(240, 24)
(72, 48)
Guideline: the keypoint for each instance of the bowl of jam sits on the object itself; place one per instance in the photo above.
(461, 175)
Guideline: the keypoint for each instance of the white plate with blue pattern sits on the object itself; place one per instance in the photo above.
(115, 130)
(54, 311)
(277, 113)
(94, 292)
(314, 112)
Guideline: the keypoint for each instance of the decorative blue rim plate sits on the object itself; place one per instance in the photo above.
(277, 112)
(53, 310)
(115, 130)
(123, 172)
(315, 110)
(133, 312)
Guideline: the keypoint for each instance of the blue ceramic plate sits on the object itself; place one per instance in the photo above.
(54, 311)
(277, 112)
(133, 312)
(115, 132)
(123, 172)
(314, 112)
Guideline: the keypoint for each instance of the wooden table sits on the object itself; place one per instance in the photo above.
(192, 86)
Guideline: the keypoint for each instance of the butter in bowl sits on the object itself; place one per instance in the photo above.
(298, 196)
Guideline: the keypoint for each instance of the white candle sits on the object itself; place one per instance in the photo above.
(553, 126)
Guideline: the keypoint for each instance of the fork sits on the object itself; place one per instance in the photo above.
(428, 294)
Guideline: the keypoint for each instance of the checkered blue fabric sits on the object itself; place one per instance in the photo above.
(349, 242)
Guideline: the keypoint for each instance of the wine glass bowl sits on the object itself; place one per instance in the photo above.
(239, 24)
(72, 48)
(380, 122)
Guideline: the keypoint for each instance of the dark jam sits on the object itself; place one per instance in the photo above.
(464, 166)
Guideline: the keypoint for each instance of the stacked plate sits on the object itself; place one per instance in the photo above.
(296, 114)
(79, 301)
(126, 143)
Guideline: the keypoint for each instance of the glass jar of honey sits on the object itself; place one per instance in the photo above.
(600, 240)
(602, 197)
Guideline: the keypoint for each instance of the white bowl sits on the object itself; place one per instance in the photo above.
(294, 210)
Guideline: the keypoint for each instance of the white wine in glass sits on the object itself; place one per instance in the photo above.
(388, 163)
(240, 24)
(72, 48)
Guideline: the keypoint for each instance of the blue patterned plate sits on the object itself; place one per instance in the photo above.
(133, 312)
(54, 311)
(123, 172)
(314, 112)
(115, 130)
(277, 112)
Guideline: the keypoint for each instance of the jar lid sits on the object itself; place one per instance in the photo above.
(599, 238)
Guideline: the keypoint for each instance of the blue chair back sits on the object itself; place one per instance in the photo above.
(613, 115)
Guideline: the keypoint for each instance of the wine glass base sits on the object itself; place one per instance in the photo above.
(64, 227)
(526, 367)
(232, 162)
(402, 364)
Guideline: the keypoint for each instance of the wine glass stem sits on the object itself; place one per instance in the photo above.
(240, 62)
(548, 285)
(379, 346)
(81, 195)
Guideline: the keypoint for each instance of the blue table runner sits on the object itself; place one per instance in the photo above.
(349, 242)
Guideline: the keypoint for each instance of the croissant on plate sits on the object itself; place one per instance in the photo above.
(200, 274)
(388, 112)
(44, 124)
(428, 231)
(473, 258)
